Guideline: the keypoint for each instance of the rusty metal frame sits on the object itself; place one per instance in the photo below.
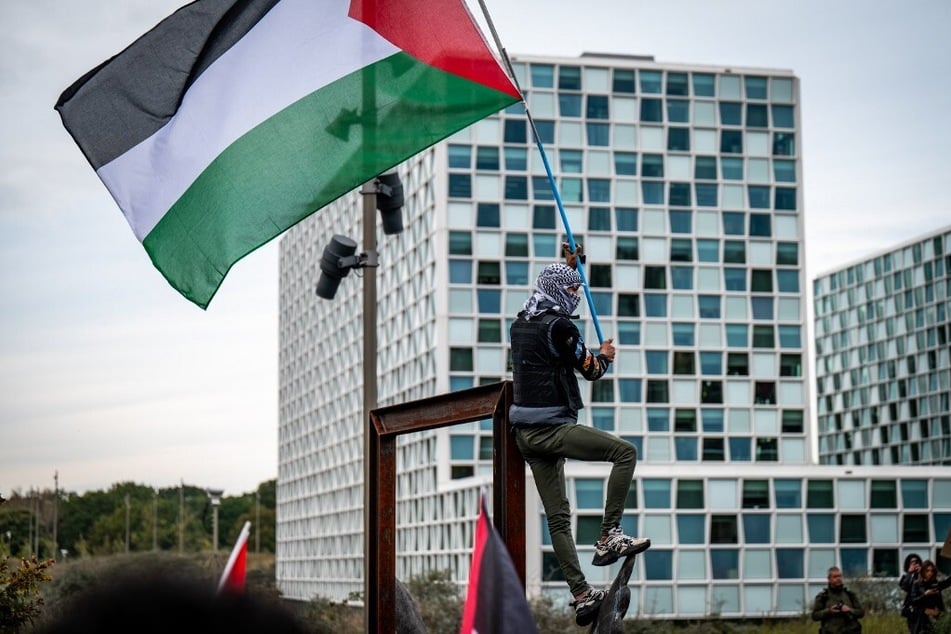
(508, 473)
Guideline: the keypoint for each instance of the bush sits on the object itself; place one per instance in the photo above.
(20, 600)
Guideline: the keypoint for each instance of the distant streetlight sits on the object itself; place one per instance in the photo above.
(215, 496)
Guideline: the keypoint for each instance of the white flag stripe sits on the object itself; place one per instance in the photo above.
(242, 540)
(309, 44)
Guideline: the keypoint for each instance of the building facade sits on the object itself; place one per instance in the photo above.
(684, 185)
(883, 362)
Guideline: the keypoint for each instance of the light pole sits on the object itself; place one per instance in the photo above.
(215, 496)
(384, 193)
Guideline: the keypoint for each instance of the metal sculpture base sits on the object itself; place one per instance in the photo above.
(611, 615)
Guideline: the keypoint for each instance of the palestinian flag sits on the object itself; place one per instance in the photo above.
(495, 600)
(232, 120)
(235, 572)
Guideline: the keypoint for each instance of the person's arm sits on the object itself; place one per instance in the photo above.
(819, 610)
(855, 610)
(571, 348)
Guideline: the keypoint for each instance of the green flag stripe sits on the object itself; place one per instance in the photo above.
(305, 157)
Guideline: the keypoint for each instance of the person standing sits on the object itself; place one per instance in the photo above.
(547, 351)
(926, 602)
(907, 582)
(837, 608)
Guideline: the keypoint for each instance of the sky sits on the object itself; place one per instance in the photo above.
(108, 375)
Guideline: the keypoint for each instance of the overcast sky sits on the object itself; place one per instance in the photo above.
(108, 375)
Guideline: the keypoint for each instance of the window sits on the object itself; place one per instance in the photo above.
(490, 331)
(756, 529)
(711, 363)
(789, 337)
(460, 243)
(690, 529)
(731, 142)
(516, 245)
(677, 84)
(656, 361)
(734, 252)
(460, 156)
(489, 273)
(656, 493)
(655, 277)
(655, 305)
(650, 81)
(730, 113)
(915, 528)
(599, 219)
(759, 198)
(487, 158)
(516, 188)
(734, 279)
(626, 248)
(652, 110)
(788, 493)
(623, 81)
(734, 223)
(705, 168)
(821, 527)
(678, 111)
(783, 116)
(460, 272)
(680, 221)
(787, 281)
(599, 134)
(761, 281)
(790, 365)
(678, 139)
(600, 276)
(460, 186)
(785, 199)
(683, 334)
(740, 449)
(599, 190)
(762, 307)
(625, 219)
(708, 250)
(602, 391)
(569, 78)
(884, 494)
(789, 563)
(685, 420)
(681, 250)
(787, 254)
(460, 359)
(516, 273)
(738, 364)
(652, 192)
(756, 494)
(690, 494)
(546, 131)
(731, 168)
(684, 363)
(543, 76)
(737, 336)
(657, 392)
(652, 166)
(709, 306)
(679, 194)
(543, 217)
(767, 450)
(685, 448)
(784, 144)
(703, 85)
(625, 163)
(711, 392)
(713, 450)
(681, 277)
(487, 215)
(515, 131)
(852, 529)
(627, 305)
(757, 116)
(760, 225)
(724, 563)
(792, 421)
(723, 529)
(597, 107)
(819, 494)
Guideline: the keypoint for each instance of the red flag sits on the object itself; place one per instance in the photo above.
(232, 579)
(495, 600)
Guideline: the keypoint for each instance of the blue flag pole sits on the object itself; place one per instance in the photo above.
(551, 177)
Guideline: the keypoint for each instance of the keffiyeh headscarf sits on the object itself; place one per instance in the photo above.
(550, 291)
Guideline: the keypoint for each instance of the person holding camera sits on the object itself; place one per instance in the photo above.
(925, 599)
(907, 583)
(837, 608)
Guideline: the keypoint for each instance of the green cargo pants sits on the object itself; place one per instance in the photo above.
(545, 448)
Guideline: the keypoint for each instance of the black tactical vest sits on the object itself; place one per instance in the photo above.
(541, 379)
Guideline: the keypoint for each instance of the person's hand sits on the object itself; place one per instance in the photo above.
(608, 350)
(571, 258)
(845, 608)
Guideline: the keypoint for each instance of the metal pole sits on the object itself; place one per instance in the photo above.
(371, 610)
(55, 510)
(154, 520)
(127, 523)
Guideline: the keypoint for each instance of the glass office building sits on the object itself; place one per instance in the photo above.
(684, 184)
(883, 366)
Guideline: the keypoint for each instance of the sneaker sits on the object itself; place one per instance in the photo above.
(616, 545)
(586, 608)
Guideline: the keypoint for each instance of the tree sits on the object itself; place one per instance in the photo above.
(20, 600)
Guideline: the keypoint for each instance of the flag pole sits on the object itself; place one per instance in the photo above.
(551, 178)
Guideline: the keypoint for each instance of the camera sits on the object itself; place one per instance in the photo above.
(838, 606)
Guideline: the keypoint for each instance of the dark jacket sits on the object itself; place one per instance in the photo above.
(834, 621)
(546, 351)
(920, 600)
